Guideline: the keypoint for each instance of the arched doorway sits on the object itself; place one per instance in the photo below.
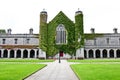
(104, 53)
(5, 53)
(85, 54)
(118, 53)
(18, 54)
(0, 53)
(111, 52)
(12, 54)
(32, 54)
(97, 52)
(25, 53)
(90, 53)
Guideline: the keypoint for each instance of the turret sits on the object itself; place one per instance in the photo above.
(43, 17)
(92, 30)
(31, 31)
(79, 29)
(115, 30)
(9, 31)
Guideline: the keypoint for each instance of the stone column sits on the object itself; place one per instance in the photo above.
(39, 53)
(108, 55)
(8, 56)
(35, 53)
(115, 56)
(21, 53)
(101, 55)
(86, 53)
(15, 53)
(2, 53)
(28, 53)
(94, 54)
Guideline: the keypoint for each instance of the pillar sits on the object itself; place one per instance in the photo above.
(101, 54)
(108, 55)
(21, 53)
(28, 53)
(15, 54)
(35, 53)
(8, 56)
(2, 53)
(94, 55)
(87, 53)
(115, 56)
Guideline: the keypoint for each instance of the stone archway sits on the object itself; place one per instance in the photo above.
(5, 53)
(97, 52)
(25, 53)
(85, 54)
(18, 54)
(12, 54)
(111, 53)
(32, 53)
(90, 53)
(104, 52)
(118, 53)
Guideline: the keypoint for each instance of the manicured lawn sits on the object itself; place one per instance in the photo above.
(96, 60)
(17, 71)
(24, 60)
(97, 71)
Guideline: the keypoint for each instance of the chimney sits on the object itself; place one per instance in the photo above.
(31, 31)
(9, 31)
(115, 30)
(92, 30)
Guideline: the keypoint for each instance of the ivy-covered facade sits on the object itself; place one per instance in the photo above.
(61, 33)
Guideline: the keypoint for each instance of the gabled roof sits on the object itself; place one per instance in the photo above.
(60, 16)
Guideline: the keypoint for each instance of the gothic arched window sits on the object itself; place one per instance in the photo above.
(60, 34)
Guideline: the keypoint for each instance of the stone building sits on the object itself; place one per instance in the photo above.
(60, 35)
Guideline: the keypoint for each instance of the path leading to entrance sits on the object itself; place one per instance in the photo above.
(55, 71)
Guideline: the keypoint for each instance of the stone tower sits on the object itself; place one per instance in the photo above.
(79, 34)
(79, 29)
(43, 31)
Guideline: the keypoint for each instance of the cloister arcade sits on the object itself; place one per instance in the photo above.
(102, 53)
(19, 53)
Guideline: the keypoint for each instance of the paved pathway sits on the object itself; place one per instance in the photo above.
(55, 71)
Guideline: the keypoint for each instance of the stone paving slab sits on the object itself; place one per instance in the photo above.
(55, 71)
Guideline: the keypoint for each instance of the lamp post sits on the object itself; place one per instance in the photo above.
(59, 57)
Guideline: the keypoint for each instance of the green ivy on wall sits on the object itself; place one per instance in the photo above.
(74, 31)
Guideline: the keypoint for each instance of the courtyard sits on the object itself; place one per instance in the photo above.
(34, 69)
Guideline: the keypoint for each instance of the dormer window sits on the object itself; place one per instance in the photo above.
(3, 41)
(16, 41)
(28, 41)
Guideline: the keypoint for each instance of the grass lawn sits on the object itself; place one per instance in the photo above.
(97, 71)
(95, 60)
(25, 60)
(17, 71)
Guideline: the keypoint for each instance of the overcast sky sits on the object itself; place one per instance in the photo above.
(21, 15)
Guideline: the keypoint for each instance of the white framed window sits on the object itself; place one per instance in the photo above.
(3, 41)
(28, 40)
(107, 40)
(61, 34)
(16, 41)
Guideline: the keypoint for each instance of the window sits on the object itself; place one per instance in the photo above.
(60, 34)
(94, 41)
(16, 41)
(28, 41)
(107, 40)
(3, 41)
